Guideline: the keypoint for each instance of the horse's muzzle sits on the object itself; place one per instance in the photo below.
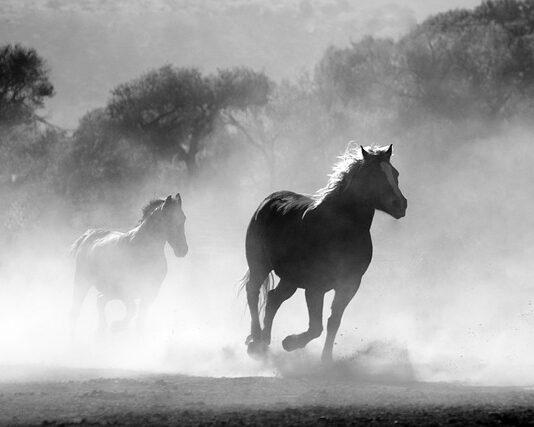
(398, 208)
(181, 251)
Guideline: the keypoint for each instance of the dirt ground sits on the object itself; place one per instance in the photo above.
(80, 397)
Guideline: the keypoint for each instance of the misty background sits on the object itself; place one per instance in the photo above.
(106, 105)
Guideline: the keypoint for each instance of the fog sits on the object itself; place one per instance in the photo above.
(93, 46)
(447, 296)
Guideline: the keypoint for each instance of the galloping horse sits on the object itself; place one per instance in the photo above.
(318, 243)
(128, 266)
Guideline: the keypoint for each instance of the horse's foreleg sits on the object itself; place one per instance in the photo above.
(275, 298)
(342, 298)
(314, 300)
(142, 313)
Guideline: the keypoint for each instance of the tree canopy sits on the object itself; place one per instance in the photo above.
(24, 84)
(455, 64)
(172, 110)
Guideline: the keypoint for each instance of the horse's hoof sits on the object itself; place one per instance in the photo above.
(291, 343)
(327, 359)
(257, 349)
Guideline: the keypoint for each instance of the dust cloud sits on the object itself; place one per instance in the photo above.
(448, 296)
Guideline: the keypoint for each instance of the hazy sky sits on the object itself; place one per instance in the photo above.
(423, 8)
(91, 46)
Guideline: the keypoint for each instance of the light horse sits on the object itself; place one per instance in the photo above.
(318, 243)
(130, 266)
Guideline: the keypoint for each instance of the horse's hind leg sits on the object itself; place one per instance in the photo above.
(253, 285)
(121, 325)
(275, 298)
(81, 287)
(314, 301)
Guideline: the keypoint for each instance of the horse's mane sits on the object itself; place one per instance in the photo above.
(348, 165)
(150, 207)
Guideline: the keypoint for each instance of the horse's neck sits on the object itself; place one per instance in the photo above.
(146, 235)
(357, 212)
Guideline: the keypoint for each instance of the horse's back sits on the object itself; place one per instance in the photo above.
(87, 239)
(92, 237)
(281, 205)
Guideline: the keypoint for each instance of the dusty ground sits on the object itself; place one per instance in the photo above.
(72, 398)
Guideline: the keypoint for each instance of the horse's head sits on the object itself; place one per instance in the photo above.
(381, 182)
(173, 224)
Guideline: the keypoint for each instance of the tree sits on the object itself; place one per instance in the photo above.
(454, 64)
(294, 128)
(24, 84)
(172, 110)
(472, 62)
(99, 157)
(363, 73)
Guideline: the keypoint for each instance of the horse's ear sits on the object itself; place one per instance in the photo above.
(168, 202)
(178, 199)
(389, 151)
(365, 154)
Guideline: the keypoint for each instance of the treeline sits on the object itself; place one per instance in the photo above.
(459, 64)
(237, 128)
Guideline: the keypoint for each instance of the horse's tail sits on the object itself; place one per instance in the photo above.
(243, 282)
(267, 285)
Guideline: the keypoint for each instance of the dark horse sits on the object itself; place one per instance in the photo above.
(318, 243)
(128, 266)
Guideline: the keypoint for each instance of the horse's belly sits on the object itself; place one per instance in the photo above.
(119, 277)
(325, 268)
